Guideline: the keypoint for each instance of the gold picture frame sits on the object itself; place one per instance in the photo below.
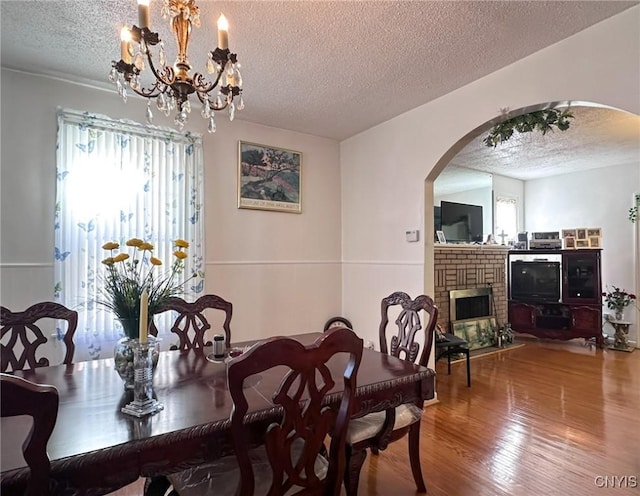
(269, 178)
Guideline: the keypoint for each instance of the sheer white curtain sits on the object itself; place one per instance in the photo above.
(506, 218)
(118, 180)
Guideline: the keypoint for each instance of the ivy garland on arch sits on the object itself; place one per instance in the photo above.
(540, 120)
(633, 211)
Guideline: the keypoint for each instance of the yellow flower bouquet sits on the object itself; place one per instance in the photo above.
(128, 276)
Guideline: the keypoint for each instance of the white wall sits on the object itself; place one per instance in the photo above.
(384, 169)
(593, 198)
(281, 271)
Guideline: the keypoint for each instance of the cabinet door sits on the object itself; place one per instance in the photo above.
(581, 277)
(522, 316)
(586, 319)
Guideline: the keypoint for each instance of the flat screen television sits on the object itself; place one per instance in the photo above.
(536, 281)
(461, 223)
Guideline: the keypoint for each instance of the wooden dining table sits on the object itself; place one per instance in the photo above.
(97, 449)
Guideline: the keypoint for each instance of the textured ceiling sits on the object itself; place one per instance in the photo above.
(329, 69)
(597, 137)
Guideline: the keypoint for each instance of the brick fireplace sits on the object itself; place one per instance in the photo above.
(464, 267)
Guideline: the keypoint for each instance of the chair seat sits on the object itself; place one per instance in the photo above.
(221, 476)
(368, 426)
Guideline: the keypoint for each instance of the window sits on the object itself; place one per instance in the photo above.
(117, 180)
(506, 218)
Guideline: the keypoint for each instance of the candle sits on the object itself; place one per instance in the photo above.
(143, 13)
(144, 323)
(223, 32)
(125, 39)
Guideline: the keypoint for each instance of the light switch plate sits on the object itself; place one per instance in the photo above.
(412, 236)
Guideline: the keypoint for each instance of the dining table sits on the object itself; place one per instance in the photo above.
(96, 449)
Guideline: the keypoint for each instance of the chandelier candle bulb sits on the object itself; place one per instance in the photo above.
(143, 13)
(125, 38)
(223, 32)
(144, 319)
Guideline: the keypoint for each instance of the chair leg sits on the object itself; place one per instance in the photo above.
(355, 459)
(468, 370)
(156, 486)
(414, 456)
(448, 361)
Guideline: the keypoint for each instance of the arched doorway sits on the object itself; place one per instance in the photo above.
(621, 238)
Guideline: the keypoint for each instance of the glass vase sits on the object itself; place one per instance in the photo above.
(619, 313)
(123, 355)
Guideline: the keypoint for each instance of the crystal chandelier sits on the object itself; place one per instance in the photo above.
(172, 86)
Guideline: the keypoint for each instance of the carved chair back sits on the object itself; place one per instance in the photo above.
(375, 431)
(22, 397)
(25, 335)
(307, 417)
(191, 324)
(408, 324)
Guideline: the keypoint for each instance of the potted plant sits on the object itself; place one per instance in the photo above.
(126, 277)
(617, 299)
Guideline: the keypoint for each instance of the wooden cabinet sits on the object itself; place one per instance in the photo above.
(578, 311)
(522, 316)
(581, 281)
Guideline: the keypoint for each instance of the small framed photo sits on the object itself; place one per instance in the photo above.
(594, 242)
(441, 238)
(581, 233)
(569, 243)
(269, 178)
(568, 233)
(594, 231)
(582, 243)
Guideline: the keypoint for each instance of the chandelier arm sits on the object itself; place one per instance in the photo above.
(160, 75)
(201, 85)
(211, 104)
(152, 92)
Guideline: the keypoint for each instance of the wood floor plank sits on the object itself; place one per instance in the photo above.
(544, 419)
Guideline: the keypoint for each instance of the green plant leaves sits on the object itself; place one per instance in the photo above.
(540, 120)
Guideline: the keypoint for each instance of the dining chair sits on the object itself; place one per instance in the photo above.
(337, 322)
(191, 324)
(26, 335)
(289, 459)
(376, 430)
(21, 397)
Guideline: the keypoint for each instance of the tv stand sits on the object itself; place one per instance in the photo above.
(579, 312)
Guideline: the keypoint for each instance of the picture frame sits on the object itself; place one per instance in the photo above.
(269, 178)
(582, 243)
(569, 243)
(478, 332)
(569, 233)
(581, 233)
(594, 231)
(594, 242)
(441, 238)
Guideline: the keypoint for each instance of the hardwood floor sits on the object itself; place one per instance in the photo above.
(549, 418)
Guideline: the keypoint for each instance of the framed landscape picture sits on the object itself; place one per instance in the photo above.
(478, 332)
(269, 178)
